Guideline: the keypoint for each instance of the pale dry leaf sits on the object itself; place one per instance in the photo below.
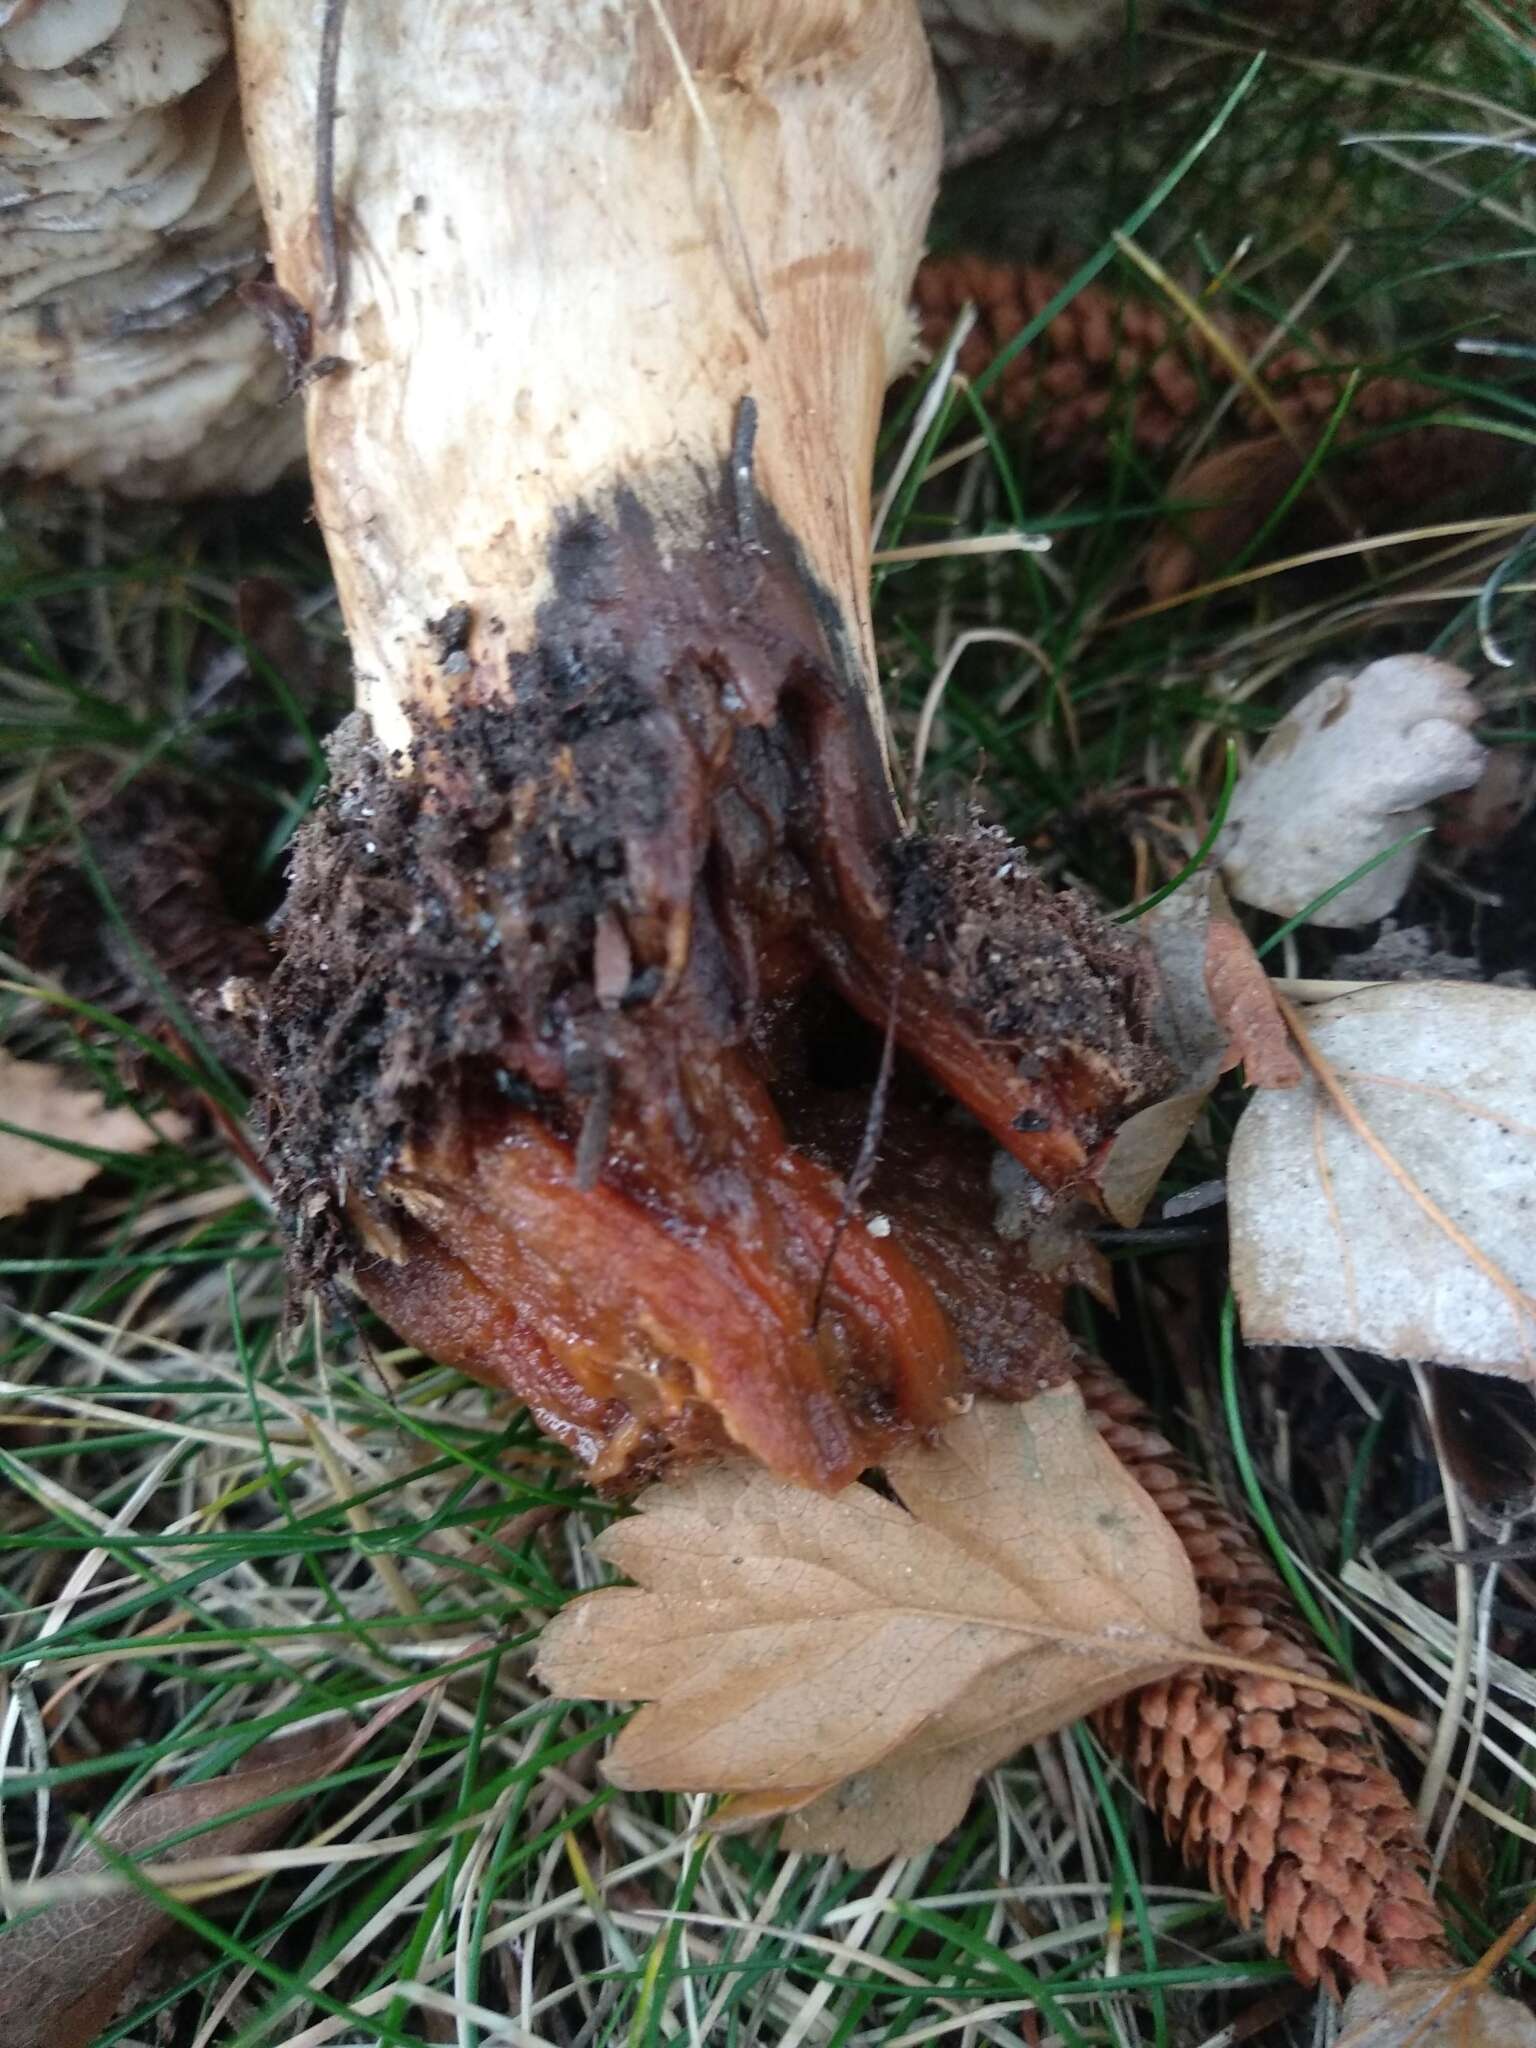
(1343, 778)
(1435, 1259)
(787, 1640)
(1138, 1156)
(1216, 1006)
(1176, 931)
(68, 1964)
(1395, 2016)
(41, 1098)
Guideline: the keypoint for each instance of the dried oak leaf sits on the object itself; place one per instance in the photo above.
(68, 1964)
(41, 1100)
(1388, 1204)
(858, 1661)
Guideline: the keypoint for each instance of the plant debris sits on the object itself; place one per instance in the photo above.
(1434, 2010)
(1114, 363)
(1341, 780)
(68, 1964)
(60, 1131)
(898, 1651)
(1388, 1203)
(1217, 1008)
(153, 931)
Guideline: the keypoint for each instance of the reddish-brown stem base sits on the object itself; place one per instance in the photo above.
(542, 1048)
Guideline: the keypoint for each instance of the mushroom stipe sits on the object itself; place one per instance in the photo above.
(628, 870)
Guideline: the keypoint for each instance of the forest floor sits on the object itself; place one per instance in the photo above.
(216, 1526)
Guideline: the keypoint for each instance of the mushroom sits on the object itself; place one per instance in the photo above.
(617, 298)
(611, 978)
(593, 315)
(129, 223)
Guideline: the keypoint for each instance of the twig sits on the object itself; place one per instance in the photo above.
(1452, 1706)
(869, 1145)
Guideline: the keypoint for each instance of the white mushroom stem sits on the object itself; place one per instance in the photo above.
(574, 239)
(615, 296)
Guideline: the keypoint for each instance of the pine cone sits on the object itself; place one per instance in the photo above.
(1281, 1792)
(1111, 362)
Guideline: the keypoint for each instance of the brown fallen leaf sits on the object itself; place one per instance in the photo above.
(42, 1099)
(1243, 1003)
(864, 1661)
(68, 1965)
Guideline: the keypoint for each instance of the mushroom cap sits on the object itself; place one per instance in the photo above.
(126, 356)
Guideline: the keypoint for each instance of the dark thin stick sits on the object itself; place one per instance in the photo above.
(1158, 1237)
(743, 441)
(592, 1145)
(333, 280)
(869, 1145)
(343, 1314)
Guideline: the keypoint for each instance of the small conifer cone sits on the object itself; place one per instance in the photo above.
(1112, 362)
(1279, 1792)
(1107, 340)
